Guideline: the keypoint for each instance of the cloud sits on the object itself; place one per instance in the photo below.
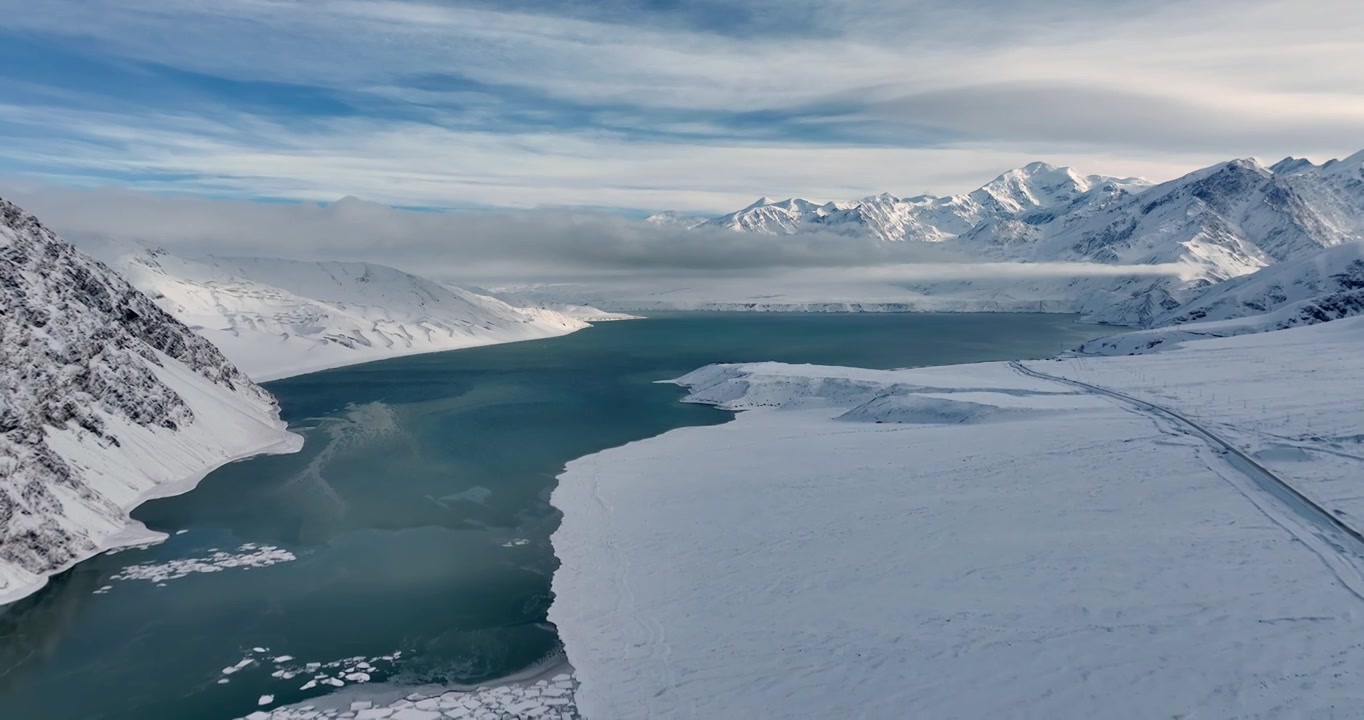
(1048, 112)
(693, 104)
(414, 164)
(538, 243)
(487, 246)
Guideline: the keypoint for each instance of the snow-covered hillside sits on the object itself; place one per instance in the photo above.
(1220, 222)
(1176, 537)
(1324, 286)
(276, 318)
(105, 401)
(1319, 275)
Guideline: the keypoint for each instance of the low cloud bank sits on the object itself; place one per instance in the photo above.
(481, 246)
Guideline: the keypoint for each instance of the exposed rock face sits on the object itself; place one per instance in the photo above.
(80, 351)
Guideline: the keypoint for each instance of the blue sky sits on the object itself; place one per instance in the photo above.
(651, 104)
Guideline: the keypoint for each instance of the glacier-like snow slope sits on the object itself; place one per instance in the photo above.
(105, 401)
(276, 318)
(971, 541)
(1222, 222)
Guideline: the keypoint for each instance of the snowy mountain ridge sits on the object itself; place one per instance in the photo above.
(1016, 193)
(1222, 222)
(105, 400)
(277, 318)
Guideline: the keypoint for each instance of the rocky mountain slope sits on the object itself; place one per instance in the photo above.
(1319, 279)
(275, 318)
(105, 400)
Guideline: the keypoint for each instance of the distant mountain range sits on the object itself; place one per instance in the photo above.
(1221, 222)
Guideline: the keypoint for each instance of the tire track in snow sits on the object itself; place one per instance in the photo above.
(1343, 550)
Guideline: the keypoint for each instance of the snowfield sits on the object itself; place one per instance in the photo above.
(278, 318)
(980, 541)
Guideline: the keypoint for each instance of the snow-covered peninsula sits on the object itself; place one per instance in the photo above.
(106, 401)
(1163, 535)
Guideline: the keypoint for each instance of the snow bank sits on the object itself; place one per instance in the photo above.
(1004, 544)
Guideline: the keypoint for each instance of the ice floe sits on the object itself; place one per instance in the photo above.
(249, 555)
(550, 699)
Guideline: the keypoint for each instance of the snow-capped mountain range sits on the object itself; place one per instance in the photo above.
(1220, 222)
(105, 401)
(1037, 187)
(275, 318)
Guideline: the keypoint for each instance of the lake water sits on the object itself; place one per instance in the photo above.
(417, 515)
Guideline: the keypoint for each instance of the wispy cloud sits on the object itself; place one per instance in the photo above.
(645, 104)
(416, 164)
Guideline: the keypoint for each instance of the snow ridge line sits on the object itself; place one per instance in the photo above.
(1325, 523)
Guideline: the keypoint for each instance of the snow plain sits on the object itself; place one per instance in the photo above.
(972, 541)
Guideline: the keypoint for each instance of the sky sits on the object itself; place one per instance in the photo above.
(640, 105)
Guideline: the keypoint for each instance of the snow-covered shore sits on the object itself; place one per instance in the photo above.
(146, 464)
(970, 541)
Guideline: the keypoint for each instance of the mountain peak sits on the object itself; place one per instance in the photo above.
(1291, 164)
(763, 201)
(1247, 163)
(1037, 166)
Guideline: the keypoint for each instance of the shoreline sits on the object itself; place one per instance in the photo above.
(134, 532)
(309, 369)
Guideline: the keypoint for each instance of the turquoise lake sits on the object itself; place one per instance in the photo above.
(417, 513)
